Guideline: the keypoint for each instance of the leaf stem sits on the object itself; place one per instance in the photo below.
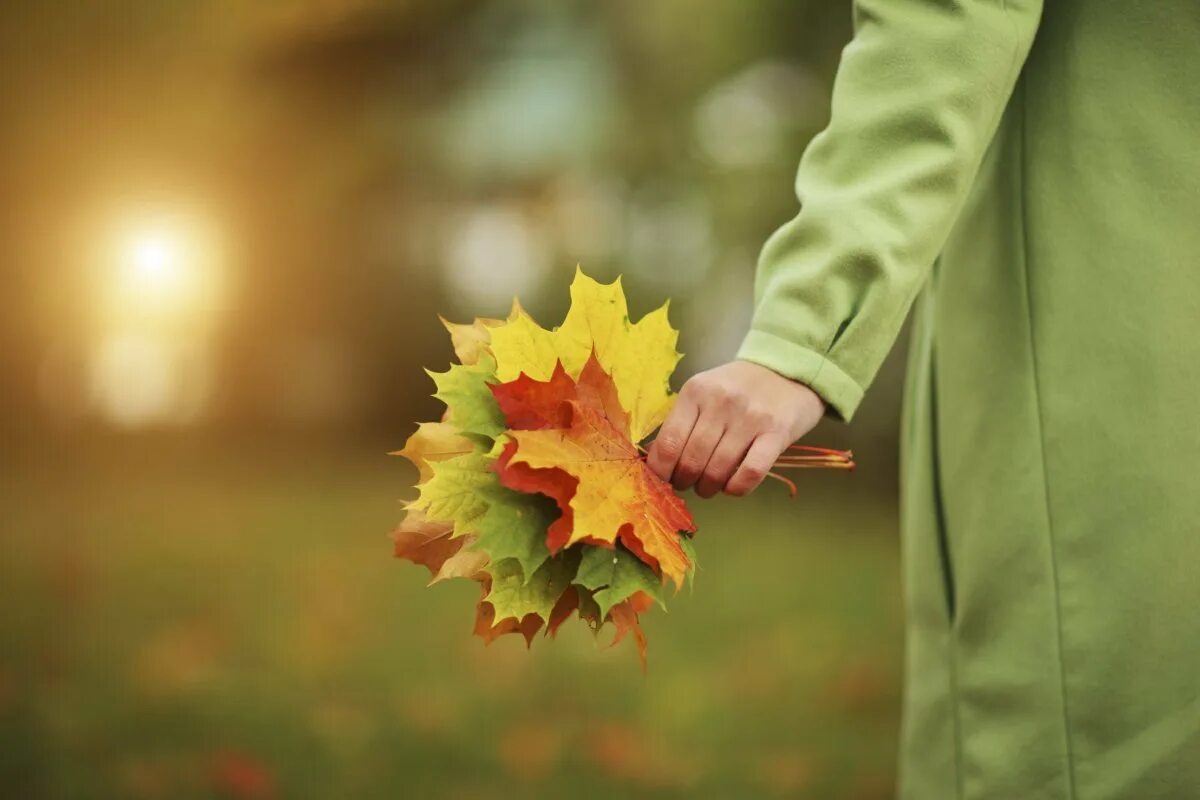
(788, 482)
(799, 456)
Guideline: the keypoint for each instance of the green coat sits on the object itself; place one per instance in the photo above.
(1034, 176)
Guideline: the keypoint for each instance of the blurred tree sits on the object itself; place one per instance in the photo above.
(370, 163)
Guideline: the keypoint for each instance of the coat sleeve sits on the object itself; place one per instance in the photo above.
(917, 99)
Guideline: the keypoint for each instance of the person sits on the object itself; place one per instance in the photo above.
(1031, 178)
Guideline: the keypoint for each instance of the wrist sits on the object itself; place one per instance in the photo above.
(838, 390)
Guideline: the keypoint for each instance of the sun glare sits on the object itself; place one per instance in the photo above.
(157, 311)
(158, 272)
(154, 255)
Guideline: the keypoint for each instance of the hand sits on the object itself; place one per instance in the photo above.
(728, 427)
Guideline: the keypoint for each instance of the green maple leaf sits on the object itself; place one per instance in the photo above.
(615, 575)
(471, 408)
(689, 548)
(458, 491)
(514, 527)
(513, 596)
(465, 492)
(589, 610)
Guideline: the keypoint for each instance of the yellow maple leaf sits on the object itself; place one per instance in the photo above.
(470, 340)
(434, 441)
(639, 356)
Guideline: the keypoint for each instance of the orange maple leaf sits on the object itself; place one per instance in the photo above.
(431, 545)
(566, 604)
(624, 616)
(488, 628)
(570, 441)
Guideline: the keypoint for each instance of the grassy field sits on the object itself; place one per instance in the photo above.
(196, 622)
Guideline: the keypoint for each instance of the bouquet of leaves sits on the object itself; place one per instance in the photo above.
(534, 483)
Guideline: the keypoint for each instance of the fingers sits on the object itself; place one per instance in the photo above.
(755, 466)
(706, 435)
(729, 426)
(725, 460)
(668, 446)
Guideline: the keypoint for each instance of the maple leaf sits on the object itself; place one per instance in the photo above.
(689, 550)
(470, 407)
(528, 404)
(640, 356)
(465, 493)
(533, 485)
(512, 596)
(430, 544)
(458, 491)
(567, 602)
(470, 340)
(434, 441)
(514, 527)
(592, 469)
(489, 628)
(616, 575)
(575, 599)
(468, 562)
(624, 617)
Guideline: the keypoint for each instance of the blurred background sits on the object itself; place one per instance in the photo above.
(226, 229)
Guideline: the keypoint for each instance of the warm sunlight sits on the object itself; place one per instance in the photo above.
(161, 272)
(156, 258)
(157, 310)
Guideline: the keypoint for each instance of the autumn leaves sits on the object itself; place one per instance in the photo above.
(533, 483)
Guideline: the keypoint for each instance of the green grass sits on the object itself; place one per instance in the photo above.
(185, 622)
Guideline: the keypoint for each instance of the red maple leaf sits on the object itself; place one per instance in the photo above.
(569, 440)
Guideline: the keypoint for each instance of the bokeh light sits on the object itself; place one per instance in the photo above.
(158, 309)
(162, 274)
(155, 265)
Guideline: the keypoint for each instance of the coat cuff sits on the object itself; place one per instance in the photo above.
(841, 393)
